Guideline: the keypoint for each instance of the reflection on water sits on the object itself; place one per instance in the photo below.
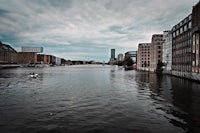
(97, 99)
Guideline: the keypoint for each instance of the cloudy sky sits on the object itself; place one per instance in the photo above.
(87, 29)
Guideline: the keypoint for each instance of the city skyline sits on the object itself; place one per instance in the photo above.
(78, 30)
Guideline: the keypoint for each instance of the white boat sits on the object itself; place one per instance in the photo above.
(32, 75)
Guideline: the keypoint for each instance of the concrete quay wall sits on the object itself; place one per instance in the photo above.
(185, 75)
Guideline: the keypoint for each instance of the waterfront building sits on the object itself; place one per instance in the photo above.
(196, 38)
(156, 51)
(167, 51)
(120, 57)
(28, 58)
(52, 60)
(113, 59)
(43, 59)
(182, 47)
(48, 59)
(143, 56)
(132, 55)
(7, 54)
(63, 61)
(196, 42)
(58, 61)
(68, 62)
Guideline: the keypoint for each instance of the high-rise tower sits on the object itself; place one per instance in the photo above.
(112, 59)
(112, 53)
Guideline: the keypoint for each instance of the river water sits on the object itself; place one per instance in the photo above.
(96, 99)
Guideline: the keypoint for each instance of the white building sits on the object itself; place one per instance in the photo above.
(167, 51)
(120, 57)
(58, 61)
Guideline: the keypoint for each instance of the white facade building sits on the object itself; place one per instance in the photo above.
(120, 57)
(167, 51)
(58, 61)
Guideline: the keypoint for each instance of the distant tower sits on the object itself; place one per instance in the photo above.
(112, 59)
(112, 53)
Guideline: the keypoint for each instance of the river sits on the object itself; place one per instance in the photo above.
(95, 98)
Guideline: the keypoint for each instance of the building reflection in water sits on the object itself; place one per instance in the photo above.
(178, 99)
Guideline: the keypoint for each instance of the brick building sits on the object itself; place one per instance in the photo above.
(43, 59)
(156, 51)
(143, 56)
(7, 54)
(27, 57)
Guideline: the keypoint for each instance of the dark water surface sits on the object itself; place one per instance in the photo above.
(96, 99)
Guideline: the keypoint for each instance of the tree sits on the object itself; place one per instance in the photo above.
(159, 68)
(120, 63)
(128, 61)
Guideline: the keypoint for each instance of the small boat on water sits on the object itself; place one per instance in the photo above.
(33, 75)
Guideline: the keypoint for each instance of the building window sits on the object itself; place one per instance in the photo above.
(185, 27)
(177, 32)
(181, 30)
(190, 25)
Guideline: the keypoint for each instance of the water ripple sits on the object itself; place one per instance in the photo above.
(96, 99)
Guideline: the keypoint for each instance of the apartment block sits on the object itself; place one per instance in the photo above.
(196, 38)
(143, 56)
(156, 51)
(182, 47)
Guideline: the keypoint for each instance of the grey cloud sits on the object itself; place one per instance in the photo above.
(53, 3)
(117, 29)
(3, 12)
(88, 23)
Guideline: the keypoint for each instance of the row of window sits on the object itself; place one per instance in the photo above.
(145, 59)
(183, 60)
(145, 65)
(144, 49)
(183, 29)
(184, 36)
(182, 51)
(145, 52)
(187, 43)
(183, 68)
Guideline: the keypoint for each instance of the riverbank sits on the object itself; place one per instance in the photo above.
(5, 66)
(184, 75)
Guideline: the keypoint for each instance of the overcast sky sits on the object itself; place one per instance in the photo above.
(87, 29)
